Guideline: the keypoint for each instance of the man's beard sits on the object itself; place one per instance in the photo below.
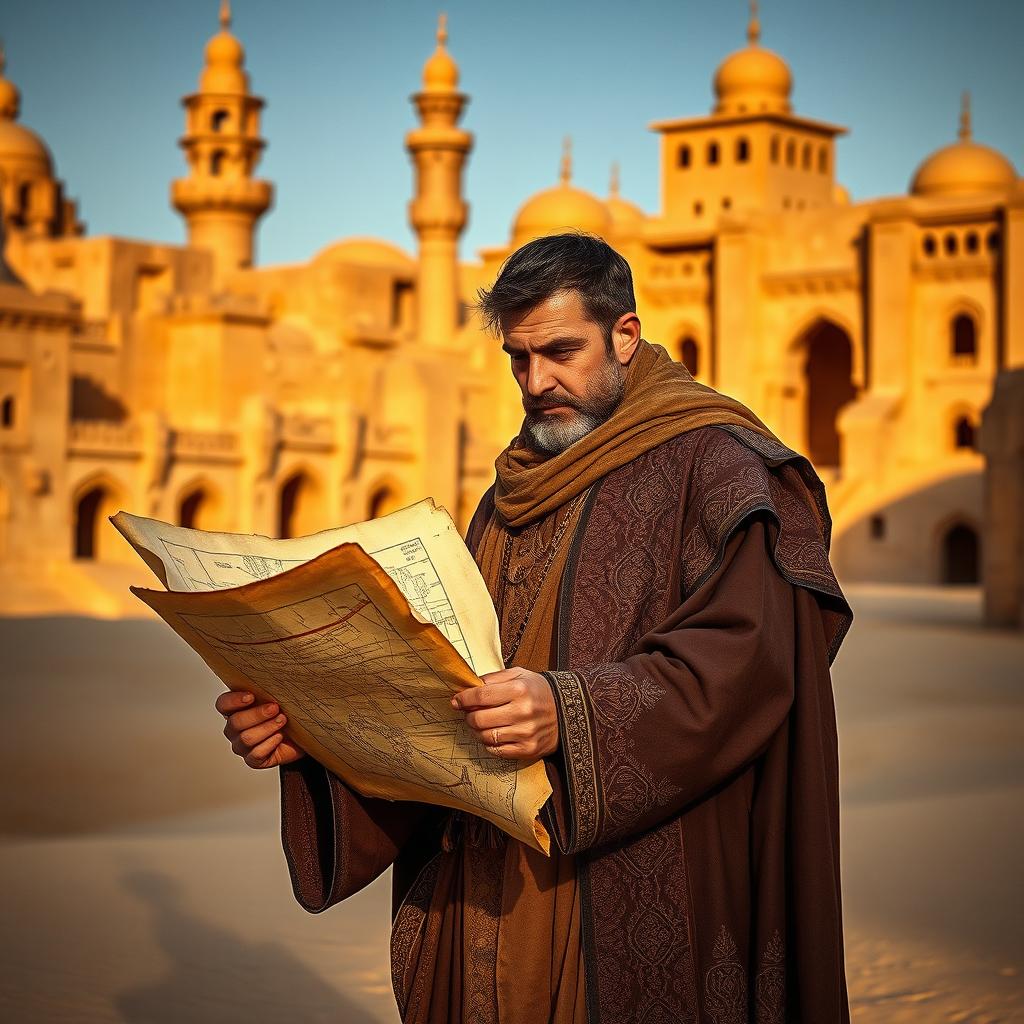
(552, 433)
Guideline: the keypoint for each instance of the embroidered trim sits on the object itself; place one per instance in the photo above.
(407, 925)
(579, 760)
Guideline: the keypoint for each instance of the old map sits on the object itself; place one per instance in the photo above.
(362, 653)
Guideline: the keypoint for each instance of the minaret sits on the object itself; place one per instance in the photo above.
(220, 199)
(438, 213)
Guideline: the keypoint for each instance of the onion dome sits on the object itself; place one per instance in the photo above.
(366, 252)
(625, 214)
(964, 167)
(441, 73)
(21, 150)
(225, 60)
(562, 208)
(753, 80)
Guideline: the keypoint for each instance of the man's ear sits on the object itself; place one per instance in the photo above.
(626, 337)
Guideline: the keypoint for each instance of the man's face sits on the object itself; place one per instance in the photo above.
(570, 381)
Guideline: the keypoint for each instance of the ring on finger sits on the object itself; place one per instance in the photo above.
(495, 742)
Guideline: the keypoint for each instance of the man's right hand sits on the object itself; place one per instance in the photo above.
(254, 731)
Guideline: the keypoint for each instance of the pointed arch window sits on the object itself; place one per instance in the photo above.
(7, 412)
(964, 434)
(689, 355)
(790, 153)
(963, 333)
(217, 158)
(742, 150)
(774, 149)
(712, 152)
(218, 119)
(683, 157)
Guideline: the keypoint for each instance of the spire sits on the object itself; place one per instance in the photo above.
(965, 117)
(225, 14)
(565, 170)
(441, 73)
(754, 25)
(613, 184)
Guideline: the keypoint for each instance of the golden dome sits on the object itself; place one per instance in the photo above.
(440, 73)
(225, 59)
(19, 146)
(624, 213)
(753, 79)
(562, 208)
(964, 167)
(841, 195)
(366, 251)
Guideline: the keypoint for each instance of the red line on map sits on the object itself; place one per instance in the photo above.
(295, 636)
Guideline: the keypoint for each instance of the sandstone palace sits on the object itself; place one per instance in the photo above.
(191, 384)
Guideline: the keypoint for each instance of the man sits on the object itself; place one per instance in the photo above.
(659, 564)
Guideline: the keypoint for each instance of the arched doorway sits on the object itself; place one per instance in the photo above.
(198, 508)
(92, 537)
(828, 371)
(689, 355)
(384, 499)
(960, 554)
(298, 506)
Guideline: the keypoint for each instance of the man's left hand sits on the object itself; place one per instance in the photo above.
(513, 714)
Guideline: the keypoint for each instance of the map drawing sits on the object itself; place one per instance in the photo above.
(361, 633)
(337, 657)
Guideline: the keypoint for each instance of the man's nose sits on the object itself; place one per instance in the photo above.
(538, 379)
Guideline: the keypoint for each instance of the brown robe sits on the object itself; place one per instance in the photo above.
(696, 785)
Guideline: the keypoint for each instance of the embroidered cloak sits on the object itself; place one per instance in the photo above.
(696, 785)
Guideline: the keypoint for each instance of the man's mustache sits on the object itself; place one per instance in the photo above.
(551, 402)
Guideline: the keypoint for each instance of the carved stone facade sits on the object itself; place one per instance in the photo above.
(188, 383)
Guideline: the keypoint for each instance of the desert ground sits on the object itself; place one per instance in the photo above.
(143, 878)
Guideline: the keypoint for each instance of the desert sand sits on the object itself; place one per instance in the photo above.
(143, 878)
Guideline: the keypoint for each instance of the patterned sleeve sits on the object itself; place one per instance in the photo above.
(335, 840)
(642, 738)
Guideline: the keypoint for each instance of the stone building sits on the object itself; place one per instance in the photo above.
(188, 383)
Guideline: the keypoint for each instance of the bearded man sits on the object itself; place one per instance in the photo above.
(659, 563)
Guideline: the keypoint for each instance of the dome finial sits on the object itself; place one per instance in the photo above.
(613, 184)
(754, 25)
(225, 14)
(965, 117)
(442, 29)
(565, 170)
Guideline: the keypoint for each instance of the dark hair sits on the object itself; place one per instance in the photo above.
(575, 260)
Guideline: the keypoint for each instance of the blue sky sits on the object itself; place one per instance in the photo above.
(101, 81)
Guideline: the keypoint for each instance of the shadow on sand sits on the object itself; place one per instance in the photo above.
(217, 978)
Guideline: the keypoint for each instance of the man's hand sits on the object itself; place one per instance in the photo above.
(255, 731)
(513, 714)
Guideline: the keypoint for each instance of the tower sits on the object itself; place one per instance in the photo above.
(752, 152)
(438, 212)
(220, 199)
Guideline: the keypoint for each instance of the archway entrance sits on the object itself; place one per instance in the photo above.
(92, 537)
(198, 508)
(384, 499)
(298, 507)
(828, 371)
(960, 555)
